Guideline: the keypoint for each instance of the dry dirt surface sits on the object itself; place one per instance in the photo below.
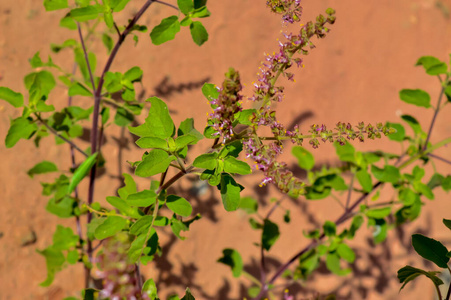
(353, 75)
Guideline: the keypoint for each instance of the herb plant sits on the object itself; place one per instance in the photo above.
(114, 239)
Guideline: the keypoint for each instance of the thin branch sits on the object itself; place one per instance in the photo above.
(53, 131)
(434, 117)
(167, 4)
(348, 199)
(448, 295)
(117, 29)
(85, 52)
(440, 158)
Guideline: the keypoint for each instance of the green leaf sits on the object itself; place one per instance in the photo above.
(152, 142)
(87, 13)
(199, 3)
(54, 260)
(249, 205)
(123, 207)
(270, 234)
(179, 205)
(39, 85)
(135, 74)
(364, 179)
(408, 273)
(235, 166)
(447, 223)
(72, 258)
(357, 221)
(345, 252)
(430, 249)
(184, 140)
(201, 12)
(13, 98)
(42, 167)
(305, 159)
(387, 174)
(150, 289)
(118, 5)
(188, 295)
(69, 23)
(329, 228)
(244, 116)
(64, 238)
(111, 226)
(142, 199)
(128, 188)
(108, 42)
(81, 172)
(399, 134)
(78, 89)
(232, 258)
(123, 117)
(333, 264)
(380, 229)
(136, 248)
(435, 181)
(165, 31)
(157, 161)
(424, 190)
(185, 6)
(413, 123)
(55, 4)
(416, 97)
(158, 123)
(446, 184)
(198, 33)
(210, 91)
(230, 192)
(142, 225)
(206, 161)
(378, 213)
(432, 65)
(345, 152)
(62, 208)
(20, 128)
(187, 127)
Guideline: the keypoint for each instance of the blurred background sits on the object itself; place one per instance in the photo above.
(354, 74)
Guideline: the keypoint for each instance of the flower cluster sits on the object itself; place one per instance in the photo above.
(277, 63)
(226, 105)
(119, 280)
(265, 157)
(291, 10)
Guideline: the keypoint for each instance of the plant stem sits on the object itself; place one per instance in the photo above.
(85, 52)
(437, 109)
(448, 294)
(440, 158)
(53, 131)
(97, 101)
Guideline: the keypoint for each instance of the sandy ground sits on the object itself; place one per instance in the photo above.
(354, 74)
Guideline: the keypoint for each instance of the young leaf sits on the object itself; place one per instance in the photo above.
(329, 228)
(345, 252)
(54, 260)
(187, 127)
(55, 4)
(128, 188)
(432, 65)
(78, 89)
(42, 167)
(63, 208)
(179, 205)
(188, 295)
(305, 159)
(165, 31)
(123, 117)
(123, 207)
(198, 33)
(413, 123)
(135, 74)
(235, 166)
(378, 213)
(81, 172)
(408, 273)
(150, 289)
(430, 249)
(158, 123)
(230, 192)
(111, 226)
(416, 97)
(270, 234)
(232, 258)
(108, 42)
(64, 238)
(210, 91)
(13, 98)
(157, 161)
(184, 140)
